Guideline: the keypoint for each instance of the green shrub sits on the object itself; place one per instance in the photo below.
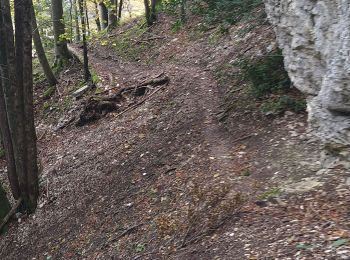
(48, 92)
(284, 103)
(266, 75)
(228, 11)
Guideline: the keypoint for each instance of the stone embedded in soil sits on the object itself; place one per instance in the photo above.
(78, 93)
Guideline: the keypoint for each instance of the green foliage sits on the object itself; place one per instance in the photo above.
(139, 248)
(46, 106)
(266, 75)
(176, 26)
(49, 92)
(227, 11)
(283, 103)
(246, 173)
(274, 192)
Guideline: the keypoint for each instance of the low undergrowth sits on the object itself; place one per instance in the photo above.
(265, 84)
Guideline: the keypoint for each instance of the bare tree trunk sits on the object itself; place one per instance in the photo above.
(97, 17)
(147, 12)
(41, 52)
(4, 121)
(87, 18)
(112, 14)
(76, 21)
(103, 15)
(87, 75)
(61, 51)
(183, 11)
(120, 9)
(26, 138)
(18, 87)
(71, 20)
(153, 14)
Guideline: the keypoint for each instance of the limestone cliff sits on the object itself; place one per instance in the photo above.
(315, 38)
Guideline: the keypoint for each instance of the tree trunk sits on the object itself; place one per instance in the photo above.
(17, 83)
(183, 11)
(4, 205)
(26, 138)
(87, 75)
(120, 9)
(147, 12)
(112, 14)
(4, 122)
(103, 15)
(76, 21)
(97, 17)
(61, 51)
(87, 18)
(71, 20)
(8, 77)
(153, 14)
(41, 52)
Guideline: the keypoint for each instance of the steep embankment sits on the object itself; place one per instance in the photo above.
(168, 180)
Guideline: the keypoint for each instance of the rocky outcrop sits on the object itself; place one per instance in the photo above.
(315, 38)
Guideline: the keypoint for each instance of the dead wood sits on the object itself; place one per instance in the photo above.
(10, 214)
(95, 109)
(139, 103)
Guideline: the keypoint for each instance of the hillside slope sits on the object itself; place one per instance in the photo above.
(170, 179)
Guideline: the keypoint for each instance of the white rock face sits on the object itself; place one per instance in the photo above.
(315, 38)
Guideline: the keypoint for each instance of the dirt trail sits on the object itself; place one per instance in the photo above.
(165, 180)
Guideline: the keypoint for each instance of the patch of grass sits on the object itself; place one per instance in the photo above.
(129, 44)
(283, 103)
(94, 77)
(176, 26)
(274, 192)
(2, 152)
(49, 92)
(246, 172)
(46, 106)
(139, 248)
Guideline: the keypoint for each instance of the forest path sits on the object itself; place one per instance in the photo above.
(167, 179)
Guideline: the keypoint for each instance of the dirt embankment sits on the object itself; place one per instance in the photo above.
(169, 180)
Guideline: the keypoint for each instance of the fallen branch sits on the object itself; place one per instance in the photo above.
(139, 103)
(11, 212)
(127, 231)
(242, 138)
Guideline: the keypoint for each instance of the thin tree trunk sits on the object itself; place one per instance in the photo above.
(76, 20)
(9, 82)
(103, 15)
(87, 75)
(41, 52)
(71, 20)
(120, 9)
(183, 11)
(87, 18)
(153, 14)
(97, 17)
(61, 50)
(4, 122)
(112, 14)
(147, 12)
(18, 89)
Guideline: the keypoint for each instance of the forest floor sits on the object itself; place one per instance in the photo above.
(170, 179)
